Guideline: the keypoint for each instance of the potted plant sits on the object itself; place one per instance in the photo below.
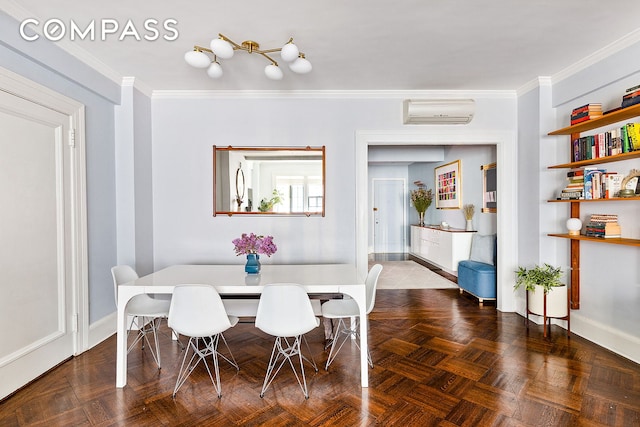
(468, 211)
(421, 199)
(546, 293)
(266, 205)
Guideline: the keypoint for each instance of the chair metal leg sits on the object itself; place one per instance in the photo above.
(229, 359)
(171, 336)
(312, 361)
(210, 348)
(147, 326)
(282, 352)
(342, 334)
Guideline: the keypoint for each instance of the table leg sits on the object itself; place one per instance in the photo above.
(358, 293)
(124, 295)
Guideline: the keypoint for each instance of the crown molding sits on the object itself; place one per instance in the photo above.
(130, 81)
(629, 40)
(333, 94)
(534, 84)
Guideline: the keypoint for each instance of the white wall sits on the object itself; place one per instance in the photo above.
(184, 129)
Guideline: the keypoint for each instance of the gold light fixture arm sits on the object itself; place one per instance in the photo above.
(202, 49)
(249, 46)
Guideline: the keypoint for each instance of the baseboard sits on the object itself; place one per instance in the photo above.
(605, 336)
(618, 342)
(102, 329)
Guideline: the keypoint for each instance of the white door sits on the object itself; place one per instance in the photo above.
(36, 249)
(389, 215)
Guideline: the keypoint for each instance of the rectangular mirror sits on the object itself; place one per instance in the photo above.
(268, 180)
(489, 188)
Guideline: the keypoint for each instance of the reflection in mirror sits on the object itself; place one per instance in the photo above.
(489, 188)
(268, 180)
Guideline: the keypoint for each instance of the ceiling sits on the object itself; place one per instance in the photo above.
(353, 45)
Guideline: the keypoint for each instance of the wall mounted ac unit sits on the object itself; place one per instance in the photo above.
(438, 111)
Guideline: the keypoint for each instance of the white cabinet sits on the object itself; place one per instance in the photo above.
(444, 248)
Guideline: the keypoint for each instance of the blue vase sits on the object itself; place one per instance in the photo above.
(253, 264)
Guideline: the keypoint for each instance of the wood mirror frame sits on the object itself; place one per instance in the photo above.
(268, 180)
(489, 188)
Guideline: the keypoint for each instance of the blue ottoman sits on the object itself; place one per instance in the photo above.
(478, 279)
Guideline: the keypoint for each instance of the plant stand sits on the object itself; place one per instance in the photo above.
(554, 305)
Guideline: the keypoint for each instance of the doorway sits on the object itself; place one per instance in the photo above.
(389, 215)
(505, 142)
(42, 227)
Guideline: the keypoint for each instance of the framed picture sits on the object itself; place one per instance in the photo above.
(448, 186)
(489, 188)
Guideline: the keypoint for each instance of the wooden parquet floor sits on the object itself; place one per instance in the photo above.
(440, 360)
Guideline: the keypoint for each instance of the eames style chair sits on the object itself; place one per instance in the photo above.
(285, 312)
(342, 309)
(146, 313)
(197, 312)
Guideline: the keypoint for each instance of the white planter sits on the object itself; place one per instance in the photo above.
(557, 302)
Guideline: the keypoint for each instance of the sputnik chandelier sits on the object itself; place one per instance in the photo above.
(223, 48)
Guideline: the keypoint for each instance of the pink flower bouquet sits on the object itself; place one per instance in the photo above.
(252, 244)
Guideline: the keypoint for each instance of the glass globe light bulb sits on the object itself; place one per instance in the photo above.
(222, 48)
(273, 72)
(215, 70)
(300, 66)
(197, 59)
(289, 52)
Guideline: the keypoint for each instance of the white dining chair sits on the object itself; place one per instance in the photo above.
(197, 312)
(347, 308)
(146, 313)
(285, 312)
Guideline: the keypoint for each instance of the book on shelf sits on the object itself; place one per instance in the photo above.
(616, 142)
(592, 179)
(592, 106)
(610, 143)
(603, 229)
(575, 185)
(575, 172)
(630, 95)
(578, 195)
(632, 89)
(612, 184)
(583, 118)
(603, 218)
(586, 112)
(628, 102)
(633, 135)
(624, 139)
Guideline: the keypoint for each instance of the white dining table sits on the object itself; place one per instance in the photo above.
(232, 280)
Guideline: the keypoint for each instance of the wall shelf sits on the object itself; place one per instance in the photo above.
(574, 131)
(599, 160)
(613, 241)
(613, 199)
(607, 119)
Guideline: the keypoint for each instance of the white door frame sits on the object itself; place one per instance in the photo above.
(507, 232)
(19, 86)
